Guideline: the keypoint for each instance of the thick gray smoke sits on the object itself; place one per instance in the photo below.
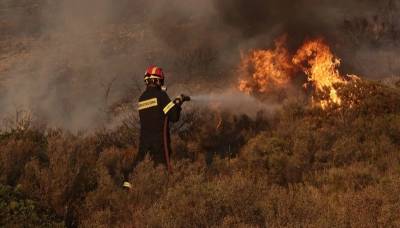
(69, 63)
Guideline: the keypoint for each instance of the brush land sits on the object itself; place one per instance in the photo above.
(303, 167)
(298, 166)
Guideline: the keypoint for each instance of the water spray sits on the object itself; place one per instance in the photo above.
(233, 101)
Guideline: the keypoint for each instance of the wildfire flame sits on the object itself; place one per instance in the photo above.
(268, 69)
(276, 68)
(320, 65)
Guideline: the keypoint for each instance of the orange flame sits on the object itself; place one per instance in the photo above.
(219, 124)
(321, 66)
(267, 69)
(276, 68)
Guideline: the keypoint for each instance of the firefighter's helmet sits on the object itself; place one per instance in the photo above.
(154, 72)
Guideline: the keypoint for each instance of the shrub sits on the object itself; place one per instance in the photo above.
(305, 167)
(16, 210)
(17, 148)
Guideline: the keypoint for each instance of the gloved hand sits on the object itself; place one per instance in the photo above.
(180, 99)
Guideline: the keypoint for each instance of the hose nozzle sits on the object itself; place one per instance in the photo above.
(185, 98)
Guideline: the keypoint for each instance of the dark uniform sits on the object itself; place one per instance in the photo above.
(156, 110)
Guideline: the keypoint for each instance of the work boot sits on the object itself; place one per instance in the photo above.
(127, 185)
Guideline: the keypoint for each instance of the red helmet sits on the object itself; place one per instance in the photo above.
(154, 72)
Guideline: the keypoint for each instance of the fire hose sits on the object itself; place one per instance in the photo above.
(179, 100)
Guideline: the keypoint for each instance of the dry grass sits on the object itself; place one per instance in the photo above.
(305, 168)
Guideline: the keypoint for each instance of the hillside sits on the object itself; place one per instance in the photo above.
(303, 167)
(295, 120)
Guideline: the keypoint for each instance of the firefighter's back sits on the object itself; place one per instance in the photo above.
(156, 110)
(151, 116)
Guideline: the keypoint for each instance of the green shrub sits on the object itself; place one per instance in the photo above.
(16, 210)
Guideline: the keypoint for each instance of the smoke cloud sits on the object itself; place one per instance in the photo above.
(233, 101)
(69, 62)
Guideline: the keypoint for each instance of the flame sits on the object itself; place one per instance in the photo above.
(215, 106)
(219, 124)
(320, 65)
(267, 69)
(276, 68)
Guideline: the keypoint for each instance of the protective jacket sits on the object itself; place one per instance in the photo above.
(156, 110)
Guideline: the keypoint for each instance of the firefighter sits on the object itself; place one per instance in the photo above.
(156, 111)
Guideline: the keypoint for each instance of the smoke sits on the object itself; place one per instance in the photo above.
(68, 62)
(363, 33)
(82, 57)
(59, 80)
(234, 102)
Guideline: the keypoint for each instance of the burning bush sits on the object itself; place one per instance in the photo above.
(274, 73)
